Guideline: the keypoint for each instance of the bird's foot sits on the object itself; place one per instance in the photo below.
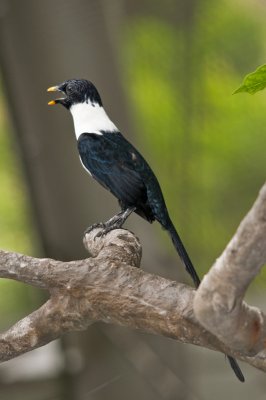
(108, 227)
(116, 222)
(94, 226)
(105, 227)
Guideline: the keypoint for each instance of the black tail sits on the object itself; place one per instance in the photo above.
(235, 367)
(180, 248)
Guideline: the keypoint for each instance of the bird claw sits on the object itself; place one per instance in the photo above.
(100, 234)
(115, 222)
(94, 226)
(106, 228)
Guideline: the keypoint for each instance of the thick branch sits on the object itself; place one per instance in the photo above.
(219, 304)
(108, 287)
(104, 287)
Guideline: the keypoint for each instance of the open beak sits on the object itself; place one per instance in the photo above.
(54, 89)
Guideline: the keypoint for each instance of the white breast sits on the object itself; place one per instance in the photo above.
(90, 118)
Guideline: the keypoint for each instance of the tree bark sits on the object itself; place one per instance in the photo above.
(219, 304)
(108, 287)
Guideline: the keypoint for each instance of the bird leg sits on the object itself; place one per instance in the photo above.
(116, 222)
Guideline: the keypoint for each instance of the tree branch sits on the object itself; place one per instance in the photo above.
(219, 304)
(108, 287)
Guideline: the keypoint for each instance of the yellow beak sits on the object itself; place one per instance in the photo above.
(51, 103)
(52, 89)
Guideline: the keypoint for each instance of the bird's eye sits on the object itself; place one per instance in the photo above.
(69, 89)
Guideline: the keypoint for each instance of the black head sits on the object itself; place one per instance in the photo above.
(76, 91)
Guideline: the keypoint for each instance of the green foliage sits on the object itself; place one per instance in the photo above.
(15, 225)
(14, 215)
(207, 146)
(254, 81)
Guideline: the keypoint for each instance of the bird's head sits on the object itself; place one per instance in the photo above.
(76, 91)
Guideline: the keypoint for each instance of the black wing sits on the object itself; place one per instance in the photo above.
(115, 164)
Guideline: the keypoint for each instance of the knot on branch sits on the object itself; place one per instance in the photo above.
(118, 245)
(79, 289)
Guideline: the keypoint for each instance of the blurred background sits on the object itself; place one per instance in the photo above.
(166, 72)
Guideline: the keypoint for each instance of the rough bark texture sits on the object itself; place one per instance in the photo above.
(219, 302)
(108, 287)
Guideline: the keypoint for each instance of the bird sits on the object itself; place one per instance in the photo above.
(119, 167)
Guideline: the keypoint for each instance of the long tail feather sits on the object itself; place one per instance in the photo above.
(181, 250)
(235, 367)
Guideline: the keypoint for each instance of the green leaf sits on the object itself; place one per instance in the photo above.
(254, 81)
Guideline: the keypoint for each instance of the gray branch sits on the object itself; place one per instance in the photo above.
(219, 304)
(108, 287)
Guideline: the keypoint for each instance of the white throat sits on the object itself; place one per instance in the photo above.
(90, 118)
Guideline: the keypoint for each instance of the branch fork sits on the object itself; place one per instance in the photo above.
(108, 287)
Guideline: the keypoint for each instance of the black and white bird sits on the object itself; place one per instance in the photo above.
(115, 163)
